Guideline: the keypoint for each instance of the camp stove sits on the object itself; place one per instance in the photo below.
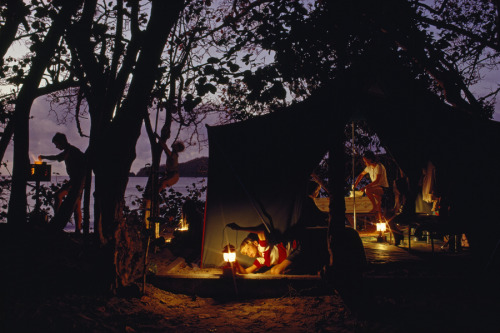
(39, 172)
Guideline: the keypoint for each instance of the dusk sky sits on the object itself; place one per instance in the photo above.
(44, 125)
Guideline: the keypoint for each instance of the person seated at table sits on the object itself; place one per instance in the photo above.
(375, 189)
(277, 256)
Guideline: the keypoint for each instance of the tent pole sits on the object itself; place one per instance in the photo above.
(353, 175)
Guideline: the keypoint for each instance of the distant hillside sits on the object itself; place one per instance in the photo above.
(194, 168)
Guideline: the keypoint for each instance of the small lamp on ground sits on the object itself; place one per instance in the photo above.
(381, 228)
(229, 254)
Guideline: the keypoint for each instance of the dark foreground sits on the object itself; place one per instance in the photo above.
(48, 285)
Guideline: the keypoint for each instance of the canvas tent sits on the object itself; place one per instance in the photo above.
(258, 173)
(258, 169)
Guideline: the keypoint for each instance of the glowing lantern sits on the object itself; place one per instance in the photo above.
(381, 227)
(229, 253)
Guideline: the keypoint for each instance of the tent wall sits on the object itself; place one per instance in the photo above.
(258, 172)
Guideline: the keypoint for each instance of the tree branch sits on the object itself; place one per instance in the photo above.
(467, 33)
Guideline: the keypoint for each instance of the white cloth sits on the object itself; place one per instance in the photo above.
(428, 183)
(378, 169)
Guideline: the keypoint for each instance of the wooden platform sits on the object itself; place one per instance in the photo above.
(216, 285)
(385, 263)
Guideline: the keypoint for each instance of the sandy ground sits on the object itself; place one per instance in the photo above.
(43, 290)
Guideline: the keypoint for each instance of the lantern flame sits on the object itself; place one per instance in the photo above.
(36, 160)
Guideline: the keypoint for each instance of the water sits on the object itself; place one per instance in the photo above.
(131, 193)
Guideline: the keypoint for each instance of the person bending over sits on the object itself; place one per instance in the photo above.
(279, 256)
(379, 183)
(75, 167)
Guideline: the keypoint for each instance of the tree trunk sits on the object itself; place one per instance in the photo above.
(347, 256)
(115, 151)
(6, 137)
(18, 202)
(86, 202)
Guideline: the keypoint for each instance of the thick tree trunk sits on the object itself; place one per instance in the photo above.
(18, 202)
(347, 256)
(116, 150)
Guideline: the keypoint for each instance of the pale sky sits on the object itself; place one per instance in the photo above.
(43, 126)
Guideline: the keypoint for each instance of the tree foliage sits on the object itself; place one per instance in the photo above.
(170, 64)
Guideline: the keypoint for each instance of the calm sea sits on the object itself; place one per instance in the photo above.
(131, 194)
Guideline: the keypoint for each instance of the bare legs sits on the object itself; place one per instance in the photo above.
(77, 213)
(168, 181)
(374, 194)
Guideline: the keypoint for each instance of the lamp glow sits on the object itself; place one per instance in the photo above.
(229, 253)
(381, 227)
(230, 257)
(183, 226)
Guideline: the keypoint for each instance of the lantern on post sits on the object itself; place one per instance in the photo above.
(229, 255)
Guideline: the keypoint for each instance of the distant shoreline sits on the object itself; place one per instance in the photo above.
(197, 167)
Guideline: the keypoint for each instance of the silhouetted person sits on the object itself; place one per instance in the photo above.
(75, 167)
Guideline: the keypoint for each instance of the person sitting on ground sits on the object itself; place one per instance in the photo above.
(75, 167)
(279, 257)
(378, 176)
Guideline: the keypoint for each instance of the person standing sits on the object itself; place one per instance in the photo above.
(75, 167)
